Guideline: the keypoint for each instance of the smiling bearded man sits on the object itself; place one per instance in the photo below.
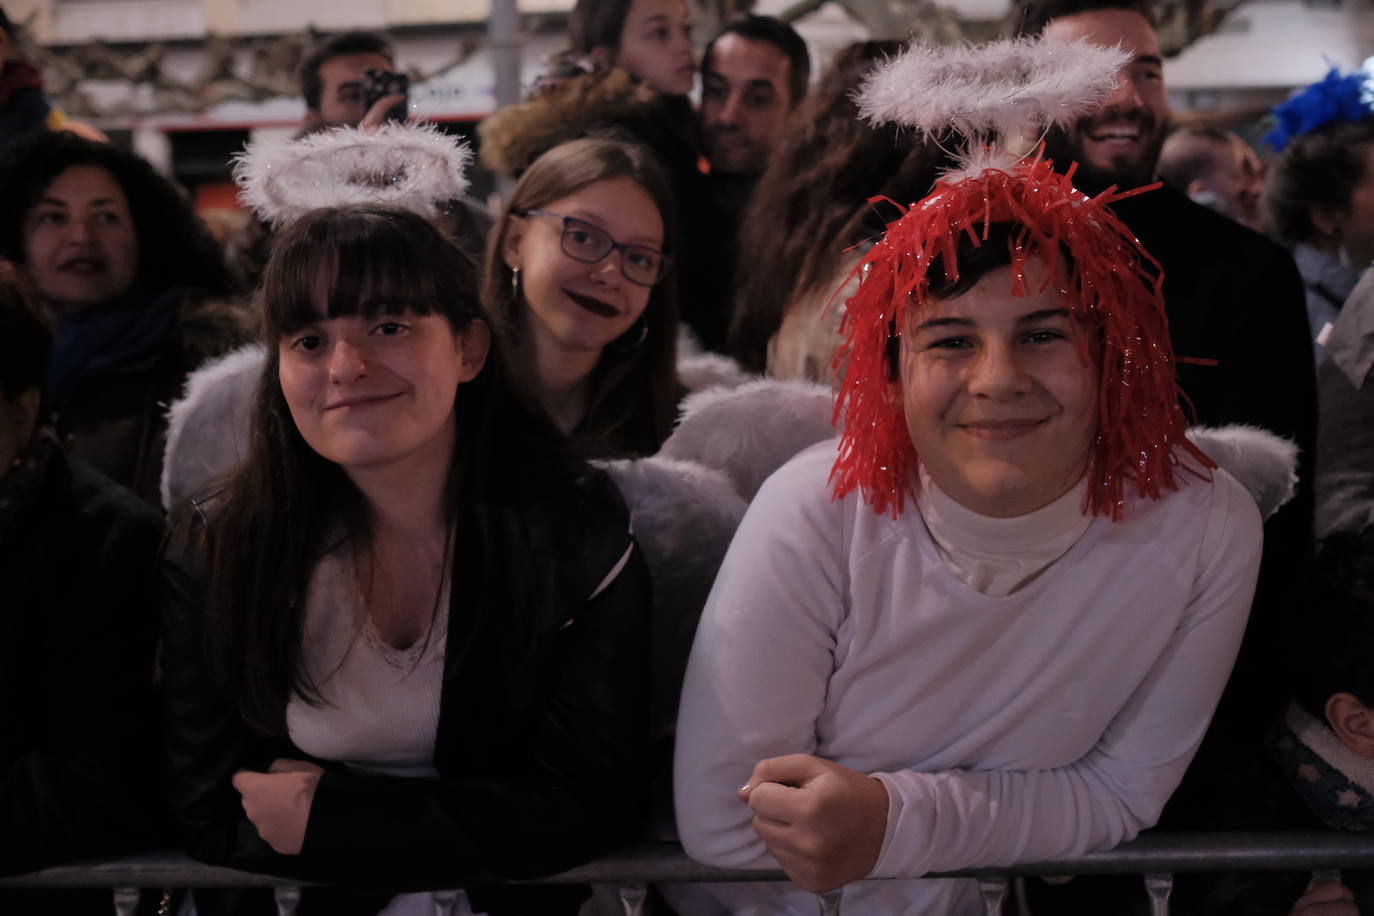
(1120, 142)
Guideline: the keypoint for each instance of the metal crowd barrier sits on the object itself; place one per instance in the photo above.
(1158, 857)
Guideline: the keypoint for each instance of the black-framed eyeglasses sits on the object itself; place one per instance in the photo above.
(585, 242)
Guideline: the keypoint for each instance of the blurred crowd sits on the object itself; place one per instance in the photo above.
(370, 633)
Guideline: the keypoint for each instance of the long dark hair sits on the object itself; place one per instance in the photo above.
(811, 202)
(280, 510)
(635, 390)
(174, 247)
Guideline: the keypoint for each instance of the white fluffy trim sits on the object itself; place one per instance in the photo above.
(682, 515)
(995, 88)
(699, 371)
(208, 428)
(750, 431)
(410, 166)
(1265, 464)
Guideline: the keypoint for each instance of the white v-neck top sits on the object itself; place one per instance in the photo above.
(380, 710)
(1006, 728)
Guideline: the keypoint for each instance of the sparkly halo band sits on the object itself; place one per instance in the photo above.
(413, 167)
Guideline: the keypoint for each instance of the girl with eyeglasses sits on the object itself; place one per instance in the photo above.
(574, 286)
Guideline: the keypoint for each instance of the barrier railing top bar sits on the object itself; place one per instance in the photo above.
(666, 863)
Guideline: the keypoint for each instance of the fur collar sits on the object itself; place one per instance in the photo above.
(515, 136)
(1334, 781)
(208, 427)
(1265, 464)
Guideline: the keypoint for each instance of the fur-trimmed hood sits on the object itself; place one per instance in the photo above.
(1336, 783)
(211, 326)
(514, 137)
(208, 427)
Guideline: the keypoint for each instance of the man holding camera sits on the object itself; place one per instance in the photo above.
(332, 76)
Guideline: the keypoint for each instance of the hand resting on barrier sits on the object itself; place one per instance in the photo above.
(278, 802)
(822, 821)
(1332, 899)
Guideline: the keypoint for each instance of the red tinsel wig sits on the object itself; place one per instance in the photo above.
(1111, 287)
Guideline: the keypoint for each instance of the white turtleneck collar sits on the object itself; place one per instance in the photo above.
(997, 556)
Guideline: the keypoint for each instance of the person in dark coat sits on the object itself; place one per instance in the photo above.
(1238, 322)
(138, 287)
(79, 600)
(754, 76)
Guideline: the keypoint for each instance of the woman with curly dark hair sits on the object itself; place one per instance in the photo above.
(1318, 202)
(137, 286)
(817, 186)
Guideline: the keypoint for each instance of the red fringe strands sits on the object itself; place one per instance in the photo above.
(1111, 286)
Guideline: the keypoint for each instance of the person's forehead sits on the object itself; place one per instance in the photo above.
(349, 67)
(741, 59)
(1126, 28)
(85, 182)
(619, 206)
(1221, 153)
(642, 10)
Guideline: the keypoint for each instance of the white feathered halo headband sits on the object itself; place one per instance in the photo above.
(1003, 93)
(413, 167)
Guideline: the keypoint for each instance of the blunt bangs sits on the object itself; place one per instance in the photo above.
(365, 262)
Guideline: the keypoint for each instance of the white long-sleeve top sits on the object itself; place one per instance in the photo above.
(1040, 724)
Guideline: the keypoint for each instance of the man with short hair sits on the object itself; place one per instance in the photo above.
(1215, 168)
(1120, 142)
(754, 75)
(331, 76)
(1234, 298)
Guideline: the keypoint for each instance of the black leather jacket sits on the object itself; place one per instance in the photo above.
(542, 731)
(79, 592)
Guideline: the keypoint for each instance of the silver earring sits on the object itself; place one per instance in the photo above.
(515, 283)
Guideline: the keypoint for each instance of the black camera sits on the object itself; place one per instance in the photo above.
(378, 84)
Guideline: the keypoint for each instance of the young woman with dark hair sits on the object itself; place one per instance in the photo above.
(576, 283)
(1319, 198)
(818, 185)
(415, 655)
(628, 65)
(652, 39)
(138, 287)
